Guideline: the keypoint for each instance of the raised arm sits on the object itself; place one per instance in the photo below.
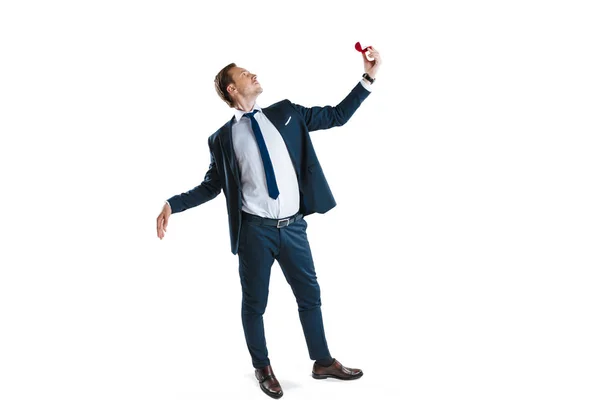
(326, 117)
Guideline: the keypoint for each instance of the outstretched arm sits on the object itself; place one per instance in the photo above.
(317, 118)
(207, 190)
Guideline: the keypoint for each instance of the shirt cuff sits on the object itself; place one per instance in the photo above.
(366, 85)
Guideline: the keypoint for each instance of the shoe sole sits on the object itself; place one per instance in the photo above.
(273, 395)
(325, 376)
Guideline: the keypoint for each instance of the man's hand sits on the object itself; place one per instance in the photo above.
(163, 220)
(371, 67)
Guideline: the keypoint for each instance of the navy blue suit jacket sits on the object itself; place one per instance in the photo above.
(223, 172)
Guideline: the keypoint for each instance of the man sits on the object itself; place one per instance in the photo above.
(265, 163)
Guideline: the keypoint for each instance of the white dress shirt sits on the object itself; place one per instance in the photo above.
(255, 196)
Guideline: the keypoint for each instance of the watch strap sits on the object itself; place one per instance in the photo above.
(367, 77)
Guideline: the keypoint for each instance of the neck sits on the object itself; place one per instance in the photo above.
(245, 105)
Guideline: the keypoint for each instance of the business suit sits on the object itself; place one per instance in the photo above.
(259, 246)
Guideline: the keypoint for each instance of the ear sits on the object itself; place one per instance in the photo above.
(231, 88)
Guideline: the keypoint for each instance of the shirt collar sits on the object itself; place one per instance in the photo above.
(239, 113)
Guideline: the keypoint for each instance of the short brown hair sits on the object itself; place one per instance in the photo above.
(222, 80)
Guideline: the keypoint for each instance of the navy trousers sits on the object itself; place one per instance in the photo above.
(259, 247)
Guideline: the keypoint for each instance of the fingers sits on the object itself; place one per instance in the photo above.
(161, 224)
(374, 54)
(371, 56)
(159, 231)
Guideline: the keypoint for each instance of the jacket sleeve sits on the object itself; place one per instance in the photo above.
(326, 117)
(207, 190)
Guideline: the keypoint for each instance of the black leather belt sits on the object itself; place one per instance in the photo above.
(279, 223)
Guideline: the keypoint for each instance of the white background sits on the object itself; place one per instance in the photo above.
(460, 263)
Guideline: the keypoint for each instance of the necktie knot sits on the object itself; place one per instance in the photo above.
(250, 114)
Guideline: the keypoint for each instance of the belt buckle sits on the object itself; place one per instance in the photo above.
(287, 220)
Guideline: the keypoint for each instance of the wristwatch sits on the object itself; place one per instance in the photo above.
(367, 77)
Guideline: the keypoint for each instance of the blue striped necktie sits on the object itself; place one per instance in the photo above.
(264, 154)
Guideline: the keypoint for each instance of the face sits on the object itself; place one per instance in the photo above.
(244, 84)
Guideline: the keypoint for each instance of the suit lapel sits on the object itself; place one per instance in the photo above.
(227, 149)
(278, 119)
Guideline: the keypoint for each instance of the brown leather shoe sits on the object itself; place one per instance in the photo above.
(268, 383)
(337, 371)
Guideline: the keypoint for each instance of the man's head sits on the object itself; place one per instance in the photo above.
(233, 84)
